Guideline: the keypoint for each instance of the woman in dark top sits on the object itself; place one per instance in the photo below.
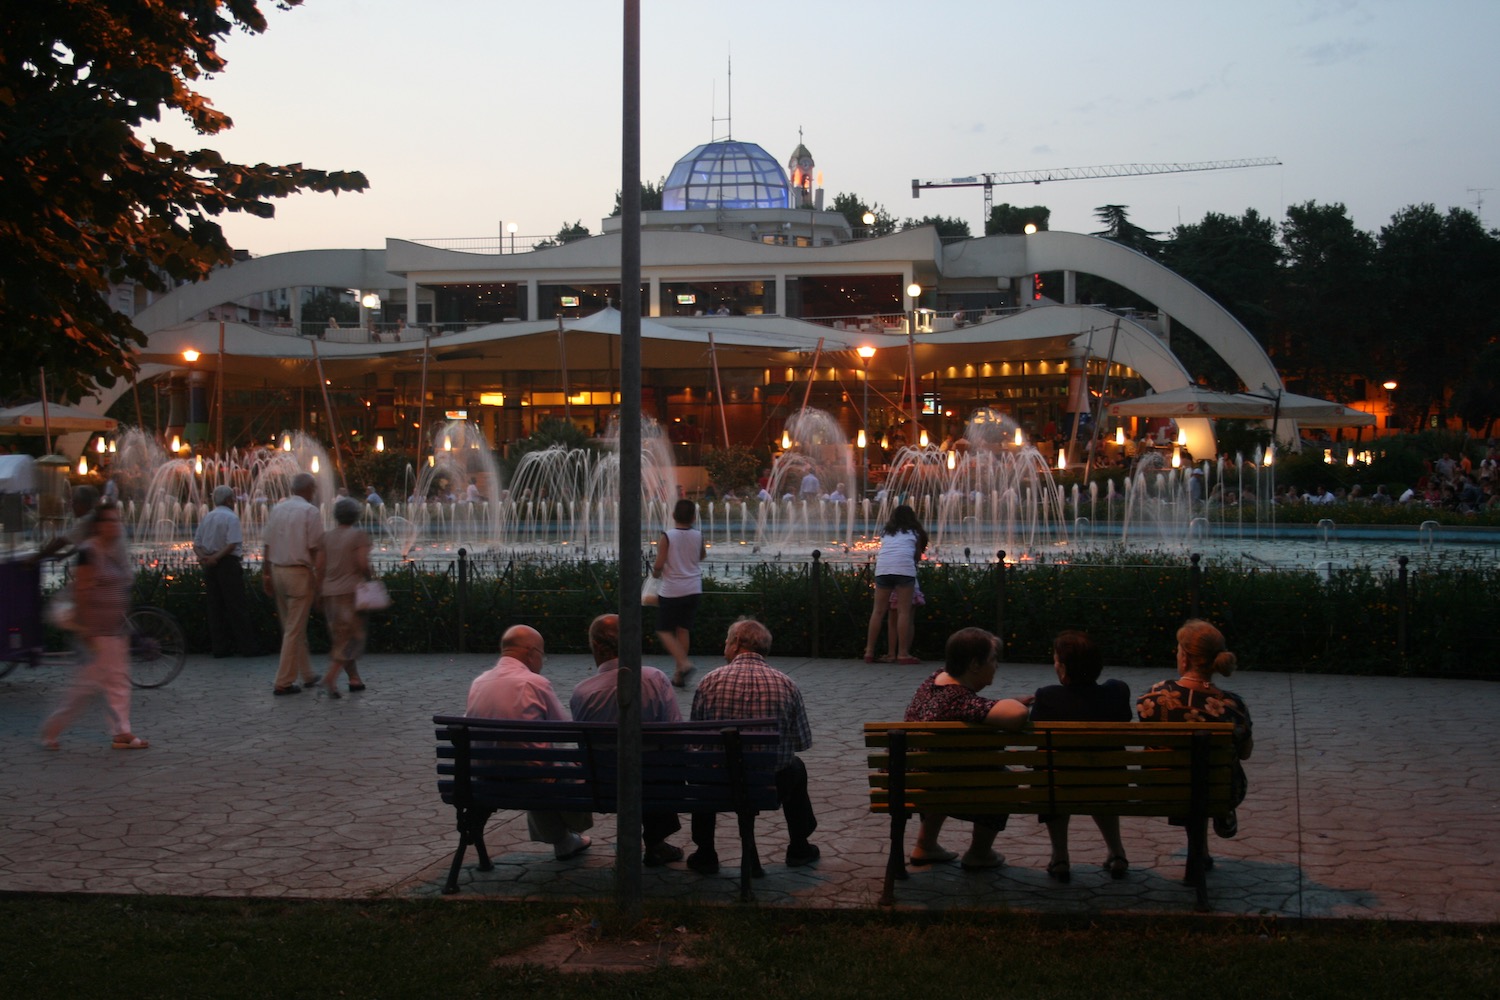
(951, 695)
(1081, 698)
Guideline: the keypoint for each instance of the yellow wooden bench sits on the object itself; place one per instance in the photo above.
(1171, 769)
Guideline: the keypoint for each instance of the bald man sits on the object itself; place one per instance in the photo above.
(514, 688)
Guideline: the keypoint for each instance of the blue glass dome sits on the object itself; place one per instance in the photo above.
(725, 174)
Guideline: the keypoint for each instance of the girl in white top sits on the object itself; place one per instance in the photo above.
(679, 555)
(901, 546)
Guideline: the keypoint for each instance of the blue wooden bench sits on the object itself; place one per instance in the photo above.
(488, 765)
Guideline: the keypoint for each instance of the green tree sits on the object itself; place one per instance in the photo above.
(86, 201)
(948, 228)
(1237, 261)
(567, 234)
(1438, 276)
(1119, 229)
(651, 197)
(1326, 332)
(1012, 220)
(325, 304)
(1477, 398)
(853, 208)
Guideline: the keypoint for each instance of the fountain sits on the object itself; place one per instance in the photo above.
(988, 491)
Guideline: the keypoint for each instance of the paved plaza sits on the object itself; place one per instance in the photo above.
(1369, 797)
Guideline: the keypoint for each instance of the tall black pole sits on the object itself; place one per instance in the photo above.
(628, 847)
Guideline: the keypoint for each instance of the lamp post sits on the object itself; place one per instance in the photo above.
(913, 292)
(510, 227)
(865, 352)
(869, 220)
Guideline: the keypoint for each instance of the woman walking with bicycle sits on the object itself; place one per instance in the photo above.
(101, 595)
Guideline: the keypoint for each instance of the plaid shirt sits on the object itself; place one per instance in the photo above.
(749, 689)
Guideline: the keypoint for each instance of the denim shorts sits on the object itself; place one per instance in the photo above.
(895, 581)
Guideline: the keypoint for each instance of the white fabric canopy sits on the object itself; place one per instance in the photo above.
(1194, 401)
(28, 419)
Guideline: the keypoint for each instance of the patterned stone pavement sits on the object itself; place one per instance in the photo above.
(1369, 797)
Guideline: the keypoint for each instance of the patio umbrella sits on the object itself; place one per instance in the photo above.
(1310, 411)
(28, 419)
(1195, 401)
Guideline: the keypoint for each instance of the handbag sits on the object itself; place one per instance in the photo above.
(651, 592)
(62, 609)
(371, 595)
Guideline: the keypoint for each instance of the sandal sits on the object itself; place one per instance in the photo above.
(869, 657)
(936, 856)
(129, 741)
(908, 660)
(1116, 865)
(1061, 871)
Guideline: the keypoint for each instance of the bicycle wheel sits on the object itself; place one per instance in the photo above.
(157, 648)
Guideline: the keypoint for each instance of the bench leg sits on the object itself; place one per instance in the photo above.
(470, 830)
(1197, 860)
(895, 865)
(749, 855)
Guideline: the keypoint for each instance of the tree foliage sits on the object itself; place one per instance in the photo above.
(567, 234)
(87, 203)
(1119, 229)
(853, 208)
(1438, 276)
(948, 228)
(1011, 220)
(651, 197)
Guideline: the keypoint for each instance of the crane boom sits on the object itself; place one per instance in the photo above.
(990, 181)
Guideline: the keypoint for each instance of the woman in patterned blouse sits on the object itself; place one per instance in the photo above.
(951, 695)
(1193, 697)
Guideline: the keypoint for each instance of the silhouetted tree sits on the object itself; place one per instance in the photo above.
(1011, 220)
(87, 202)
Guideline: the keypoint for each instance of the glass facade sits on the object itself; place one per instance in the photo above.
(726, 298)
(726, 174)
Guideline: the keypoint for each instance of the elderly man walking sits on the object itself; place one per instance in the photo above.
(514, 688)
(596, 699)
(218, 544)
(292, 573)
(746, 687)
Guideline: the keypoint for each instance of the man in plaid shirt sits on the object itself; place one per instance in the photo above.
(747, 688)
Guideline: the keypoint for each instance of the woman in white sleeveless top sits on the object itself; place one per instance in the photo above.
(679, 558)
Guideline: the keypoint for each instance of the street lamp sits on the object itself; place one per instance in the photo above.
(869, 220)
(865, 352)
(913, 292)
(510, 227)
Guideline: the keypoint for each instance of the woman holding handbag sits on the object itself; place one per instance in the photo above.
(347, 566)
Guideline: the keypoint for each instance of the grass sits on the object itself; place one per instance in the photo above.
(151, 946)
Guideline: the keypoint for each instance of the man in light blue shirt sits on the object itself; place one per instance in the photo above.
(596, 699)
(218, 544)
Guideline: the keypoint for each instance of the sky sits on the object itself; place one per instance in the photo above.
(467, 115)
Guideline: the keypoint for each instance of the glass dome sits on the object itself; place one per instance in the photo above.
(726, 174)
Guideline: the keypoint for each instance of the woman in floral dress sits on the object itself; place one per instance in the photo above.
(1193, 697)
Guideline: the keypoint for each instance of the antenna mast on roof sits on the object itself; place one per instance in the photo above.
(729, 119)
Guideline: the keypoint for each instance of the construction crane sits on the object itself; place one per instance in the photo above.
(989, 181)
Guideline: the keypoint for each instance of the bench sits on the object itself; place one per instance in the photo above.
(486, 765)
(1171, 769)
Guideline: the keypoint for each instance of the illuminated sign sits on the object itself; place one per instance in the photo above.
(570, 301)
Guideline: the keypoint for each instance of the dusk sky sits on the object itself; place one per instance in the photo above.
(467, 114)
